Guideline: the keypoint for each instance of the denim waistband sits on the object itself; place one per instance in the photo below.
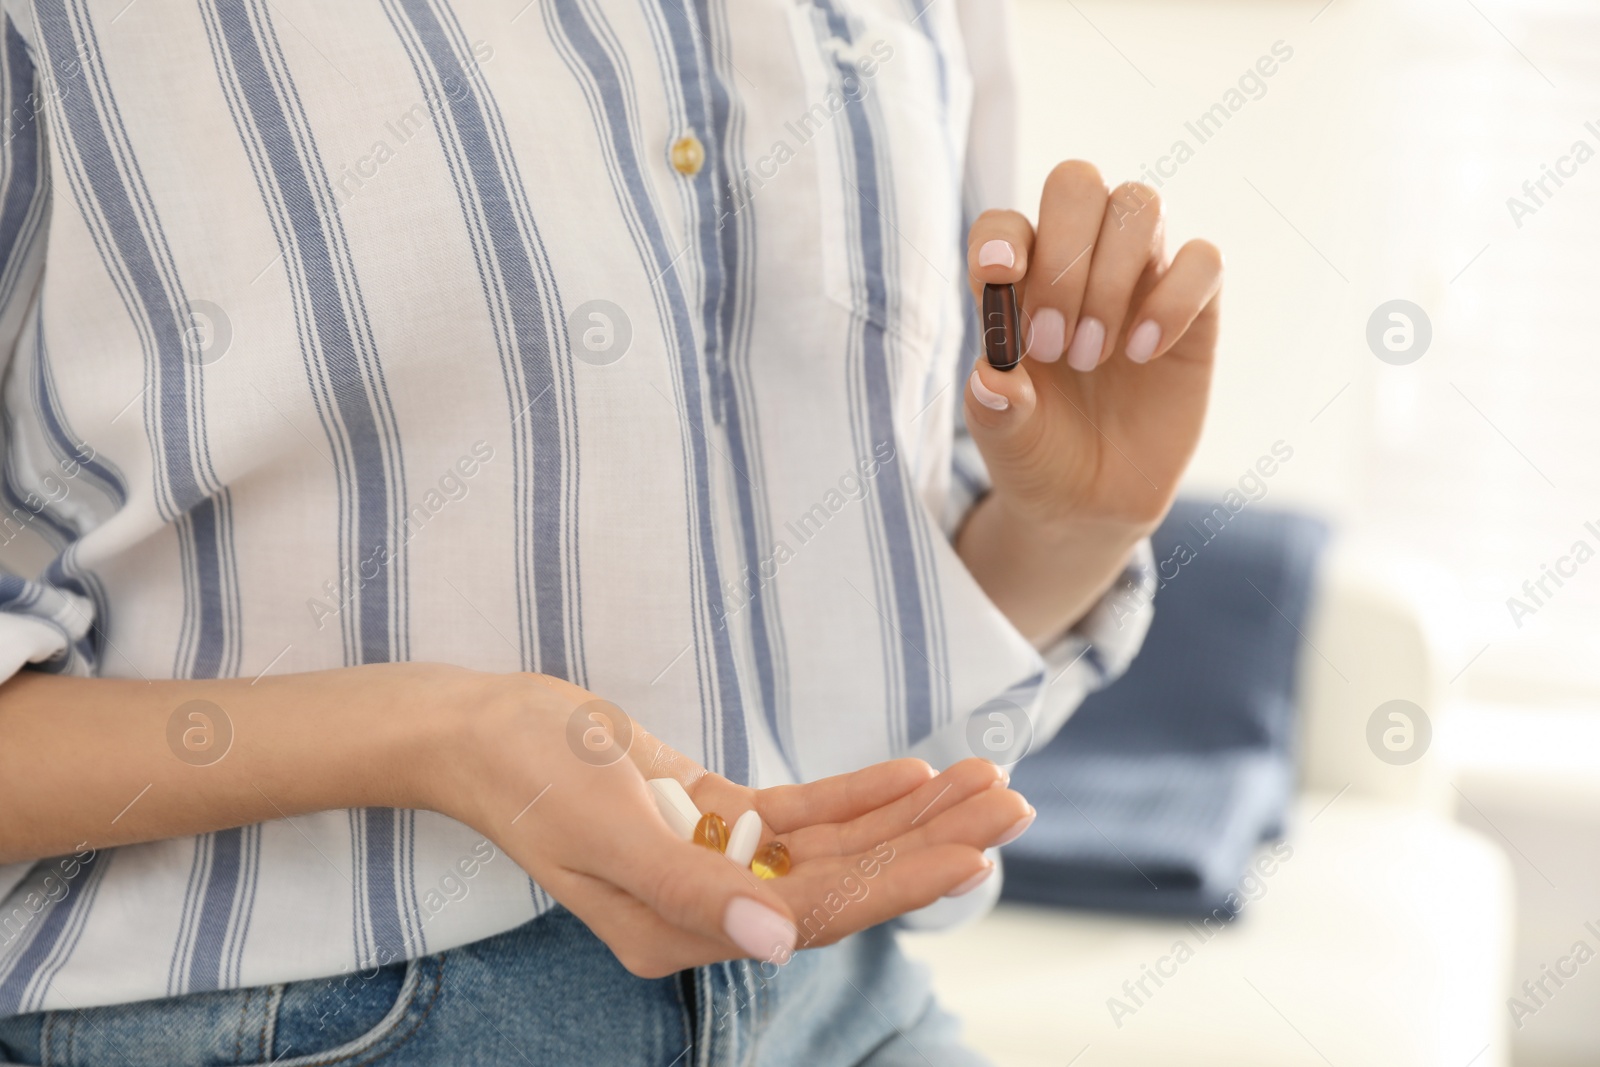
(548, 992)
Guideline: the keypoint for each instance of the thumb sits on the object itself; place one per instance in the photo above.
(689, 886)
(699, 890)
(1001, 407)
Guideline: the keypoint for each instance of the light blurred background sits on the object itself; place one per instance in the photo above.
(1377, 165)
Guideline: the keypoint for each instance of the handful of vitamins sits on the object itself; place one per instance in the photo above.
(711, 831)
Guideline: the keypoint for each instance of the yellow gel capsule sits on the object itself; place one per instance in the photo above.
(771, 860)
(712, 832)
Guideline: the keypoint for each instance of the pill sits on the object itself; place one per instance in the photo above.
(771, 860)
(1002, 340)
(672, 800)
(712, 832)
(744, 839)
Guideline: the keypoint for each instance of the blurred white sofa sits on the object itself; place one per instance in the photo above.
(1379, 937)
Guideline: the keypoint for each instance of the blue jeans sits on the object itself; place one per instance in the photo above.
(545, 993)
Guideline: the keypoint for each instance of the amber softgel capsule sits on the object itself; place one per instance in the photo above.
(771, 860)
(712, 832)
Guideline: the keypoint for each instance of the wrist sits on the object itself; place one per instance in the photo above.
(479, 736)
(378, 735)
(1069, 534)
(1044, 574)
(422, 712)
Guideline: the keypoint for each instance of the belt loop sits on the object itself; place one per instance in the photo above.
(694, 1019)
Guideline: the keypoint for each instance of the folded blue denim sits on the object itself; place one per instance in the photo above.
(545, 993)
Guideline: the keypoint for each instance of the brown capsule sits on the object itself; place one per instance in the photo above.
(712, 832)
(1002, 338)
(771, 860)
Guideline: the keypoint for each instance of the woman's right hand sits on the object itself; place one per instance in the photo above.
(92, 763)
(866, 846)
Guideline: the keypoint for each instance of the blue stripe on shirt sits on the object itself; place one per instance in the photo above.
(522, 293)
(598, 70)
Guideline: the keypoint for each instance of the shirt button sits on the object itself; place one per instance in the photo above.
(688, 155)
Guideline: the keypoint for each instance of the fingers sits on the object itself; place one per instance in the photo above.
(832, 899)
(697, 890)
(998, 252)
(617, 835)
(842, 797)
(1070, 213)
(1129, 242)
(983, 820)
(1187, 288)
(927, 802)
(998, 248)
(998, 403)
(1093, 255)
(662, 905)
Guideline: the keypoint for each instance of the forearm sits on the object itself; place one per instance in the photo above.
(1044, 578)
(88, 761)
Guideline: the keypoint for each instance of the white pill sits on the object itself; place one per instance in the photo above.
(745, 837)
(675, 806)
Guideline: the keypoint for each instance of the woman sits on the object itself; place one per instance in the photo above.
(397, 392)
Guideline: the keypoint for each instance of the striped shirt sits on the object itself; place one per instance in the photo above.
(622, 342)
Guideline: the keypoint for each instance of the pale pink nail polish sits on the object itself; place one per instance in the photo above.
(972, 883)
(1087, 341)
(997, 254)
(1143, 340)
(760, 932)
(1017, 829)
(986, 396)
(1049, 335)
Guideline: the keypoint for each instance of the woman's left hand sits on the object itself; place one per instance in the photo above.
(1093, 428)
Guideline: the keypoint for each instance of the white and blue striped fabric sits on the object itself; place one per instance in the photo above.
(397, 329)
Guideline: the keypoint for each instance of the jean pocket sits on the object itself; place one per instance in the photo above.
(217, 1029)
(353, 1019)
(346, 1020)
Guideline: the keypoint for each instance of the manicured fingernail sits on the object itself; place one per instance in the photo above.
(986, 396)
(1143, 340)
(972, 883)
(997, 254)
(1017, 829)
(1087, 341)
(1049, 335)
(760, 932)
